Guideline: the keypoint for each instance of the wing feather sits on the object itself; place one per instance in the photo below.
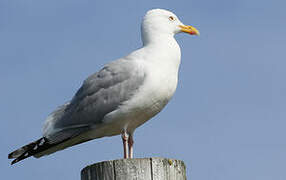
(100, 94)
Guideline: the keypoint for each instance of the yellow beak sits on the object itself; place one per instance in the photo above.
(189, 29)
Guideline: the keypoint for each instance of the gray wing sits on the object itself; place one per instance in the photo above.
(100, 94)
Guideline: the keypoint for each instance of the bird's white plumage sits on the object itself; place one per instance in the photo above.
(120, 97)
(159, 61)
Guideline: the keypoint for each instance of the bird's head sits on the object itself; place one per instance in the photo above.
(158, 22)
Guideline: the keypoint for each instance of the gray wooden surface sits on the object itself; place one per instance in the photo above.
(136, 169)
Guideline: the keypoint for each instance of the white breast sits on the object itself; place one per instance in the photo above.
(159, 87)
(161, 69)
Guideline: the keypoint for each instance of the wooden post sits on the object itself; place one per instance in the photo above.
(136, 169)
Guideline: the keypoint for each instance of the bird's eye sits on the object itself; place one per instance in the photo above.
(171, 18)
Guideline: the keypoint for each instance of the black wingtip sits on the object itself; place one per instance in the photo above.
(10, 156)
(14, 161)
(28, 150)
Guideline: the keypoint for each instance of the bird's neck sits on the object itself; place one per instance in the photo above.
(163, 49)
(157, 38)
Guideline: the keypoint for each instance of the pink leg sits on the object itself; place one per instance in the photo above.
(130, 146)
(125, 138)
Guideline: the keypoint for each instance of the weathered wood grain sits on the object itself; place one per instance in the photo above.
(99, 171)
(136, 169)
(168, 169)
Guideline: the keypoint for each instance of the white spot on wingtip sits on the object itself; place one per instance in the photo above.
(42, 142)
(35, 147)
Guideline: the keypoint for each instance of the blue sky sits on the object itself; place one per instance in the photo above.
(226, 120)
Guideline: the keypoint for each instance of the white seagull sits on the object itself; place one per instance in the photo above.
(123, 95)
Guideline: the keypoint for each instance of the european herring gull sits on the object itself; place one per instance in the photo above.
(123, 95)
